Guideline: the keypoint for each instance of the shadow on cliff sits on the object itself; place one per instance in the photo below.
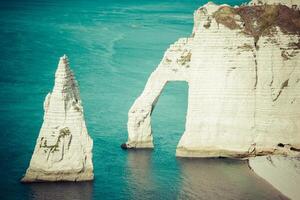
(62, 191)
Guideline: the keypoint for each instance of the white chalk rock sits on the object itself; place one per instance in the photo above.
(63, 150)
(244, 83)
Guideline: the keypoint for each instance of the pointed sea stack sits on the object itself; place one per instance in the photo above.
(63, 150)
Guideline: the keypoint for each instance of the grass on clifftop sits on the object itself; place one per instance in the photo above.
(227, 16)
(259, 20)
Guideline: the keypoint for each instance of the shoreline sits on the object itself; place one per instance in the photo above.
(282, 172)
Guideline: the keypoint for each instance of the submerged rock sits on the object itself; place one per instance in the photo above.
(63, 150)
(242, 68)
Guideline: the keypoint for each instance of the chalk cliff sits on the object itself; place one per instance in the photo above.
(63, 150)
(242, 65)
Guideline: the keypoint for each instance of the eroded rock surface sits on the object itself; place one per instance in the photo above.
(63, 150)
(243, 71)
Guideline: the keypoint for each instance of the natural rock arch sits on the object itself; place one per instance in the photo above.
(141, 113)
(243, 96)
(139, 116)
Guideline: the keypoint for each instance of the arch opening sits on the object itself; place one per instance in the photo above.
(139, 116)
(168, 117)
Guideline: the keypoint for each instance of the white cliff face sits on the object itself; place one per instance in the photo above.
(243, 71)
(63, 150)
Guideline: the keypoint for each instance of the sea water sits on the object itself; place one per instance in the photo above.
(113, 46)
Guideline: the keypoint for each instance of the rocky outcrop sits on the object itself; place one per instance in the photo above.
(242, 68)
(63, 150)
(282, 172)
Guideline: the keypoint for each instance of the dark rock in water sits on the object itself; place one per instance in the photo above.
(124, 146)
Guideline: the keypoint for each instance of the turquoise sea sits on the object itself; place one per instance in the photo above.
(113, 46)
